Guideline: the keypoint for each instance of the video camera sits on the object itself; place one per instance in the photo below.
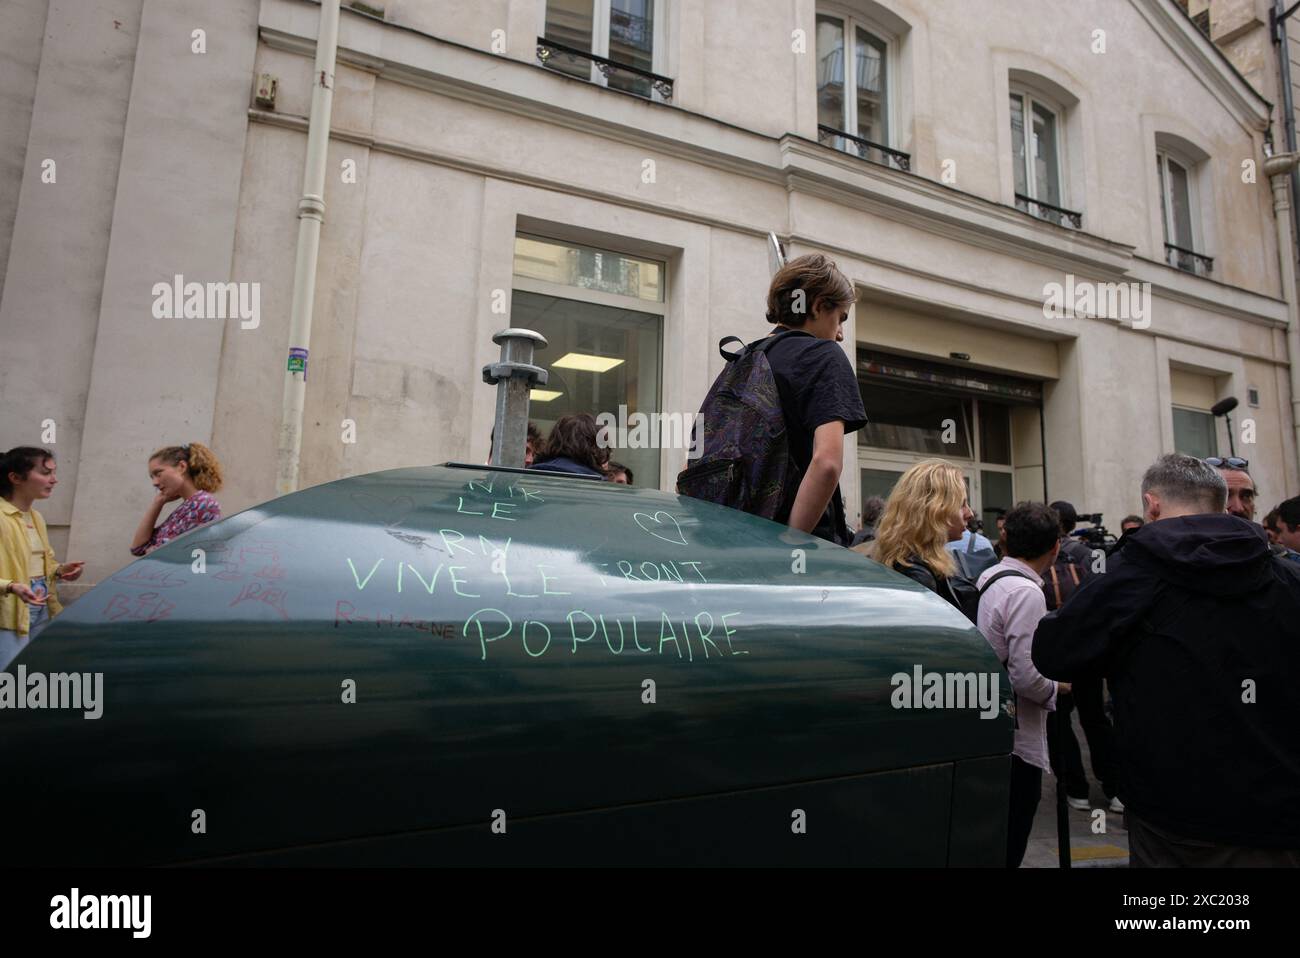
(1096, 536)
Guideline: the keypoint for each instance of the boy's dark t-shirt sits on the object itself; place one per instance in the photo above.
(817, 385)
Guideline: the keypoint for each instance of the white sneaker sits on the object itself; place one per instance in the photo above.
(1080, 803)
(1116, 805)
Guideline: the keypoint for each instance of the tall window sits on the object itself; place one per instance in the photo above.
(854, 101)
(623, 31)
(853, 87)
(1177, 212)
(1175, 200)
(1036, 152)
(602, 315)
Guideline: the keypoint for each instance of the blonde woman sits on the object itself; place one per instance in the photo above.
(926, 511)
(190, 473)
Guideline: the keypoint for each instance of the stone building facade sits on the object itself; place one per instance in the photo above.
(968, 165)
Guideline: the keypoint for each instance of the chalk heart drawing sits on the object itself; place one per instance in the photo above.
(642, 518)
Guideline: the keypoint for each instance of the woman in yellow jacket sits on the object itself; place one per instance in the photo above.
(28, 571)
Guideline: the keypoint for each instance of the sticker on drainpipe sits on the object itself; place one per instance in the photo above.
(298, 361)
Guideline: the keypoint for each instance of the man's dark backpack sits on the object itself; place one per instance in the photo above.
(740, 440)
(1063, 578)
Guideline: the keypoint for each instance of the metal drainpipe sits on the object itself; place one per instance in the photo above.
(311, 213)
(1288, 104)
(1279, 170)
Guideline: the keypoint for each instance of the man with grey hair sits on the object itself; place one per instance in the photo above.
(1193, 627)
(1241, 487)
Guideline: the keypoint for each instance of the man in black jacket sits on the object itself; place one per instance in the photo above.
(1194, 625)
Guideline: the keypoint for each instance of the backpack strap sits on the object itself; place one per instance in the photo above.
(1056, 586)
(1005, 573)
(970, 544)
(762, 346)
(1001, 575)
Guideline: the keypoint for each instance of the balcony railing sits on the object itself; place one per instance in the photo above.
(871, 152)
(1188, 260)
(552, 54)
(1046, 211)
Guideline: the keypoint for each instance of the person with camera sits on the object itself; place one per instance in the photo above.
(1194, 631)
(1061, 581)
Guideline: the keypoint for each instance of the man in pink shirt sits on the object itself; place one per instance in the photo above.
(1011, 603)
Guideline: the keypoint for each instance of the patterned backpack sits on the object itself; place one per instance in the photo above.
(740, 438)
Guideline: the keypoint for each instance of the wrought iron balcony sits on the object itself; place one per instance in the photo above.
(1046, 211)
(1188, 260)
(554, 54)
(871, 152)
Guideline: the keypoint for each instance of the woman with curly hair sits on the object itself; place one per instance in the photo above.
(190, 473)
(926, 511)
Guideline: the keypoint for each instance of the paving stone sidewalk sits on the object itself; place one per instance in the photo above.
(1088, 848)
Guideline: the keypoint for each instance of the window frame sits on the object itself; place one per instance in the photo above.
(850, 21)
(600, 41)
(1029, 97)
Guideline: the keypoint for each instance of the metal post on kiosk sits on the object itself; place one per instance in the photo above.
(514, 374)
(1062, 808)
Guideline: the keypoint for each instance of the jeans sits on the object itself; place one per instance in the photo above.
(11, 643)
(1066, 759)
(1026, 789)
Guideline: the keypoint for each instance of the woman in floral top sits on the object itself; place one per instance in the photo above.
(190, 473)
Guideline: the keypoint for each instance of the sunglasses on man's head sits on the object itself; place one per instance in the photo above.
(1232, 462)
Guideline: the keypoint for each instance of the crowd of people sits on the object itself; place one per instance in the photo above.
(1191, 619)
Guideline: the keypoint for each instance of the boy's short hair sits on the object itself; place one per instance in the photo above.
(1032, 529)
(801, 284)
